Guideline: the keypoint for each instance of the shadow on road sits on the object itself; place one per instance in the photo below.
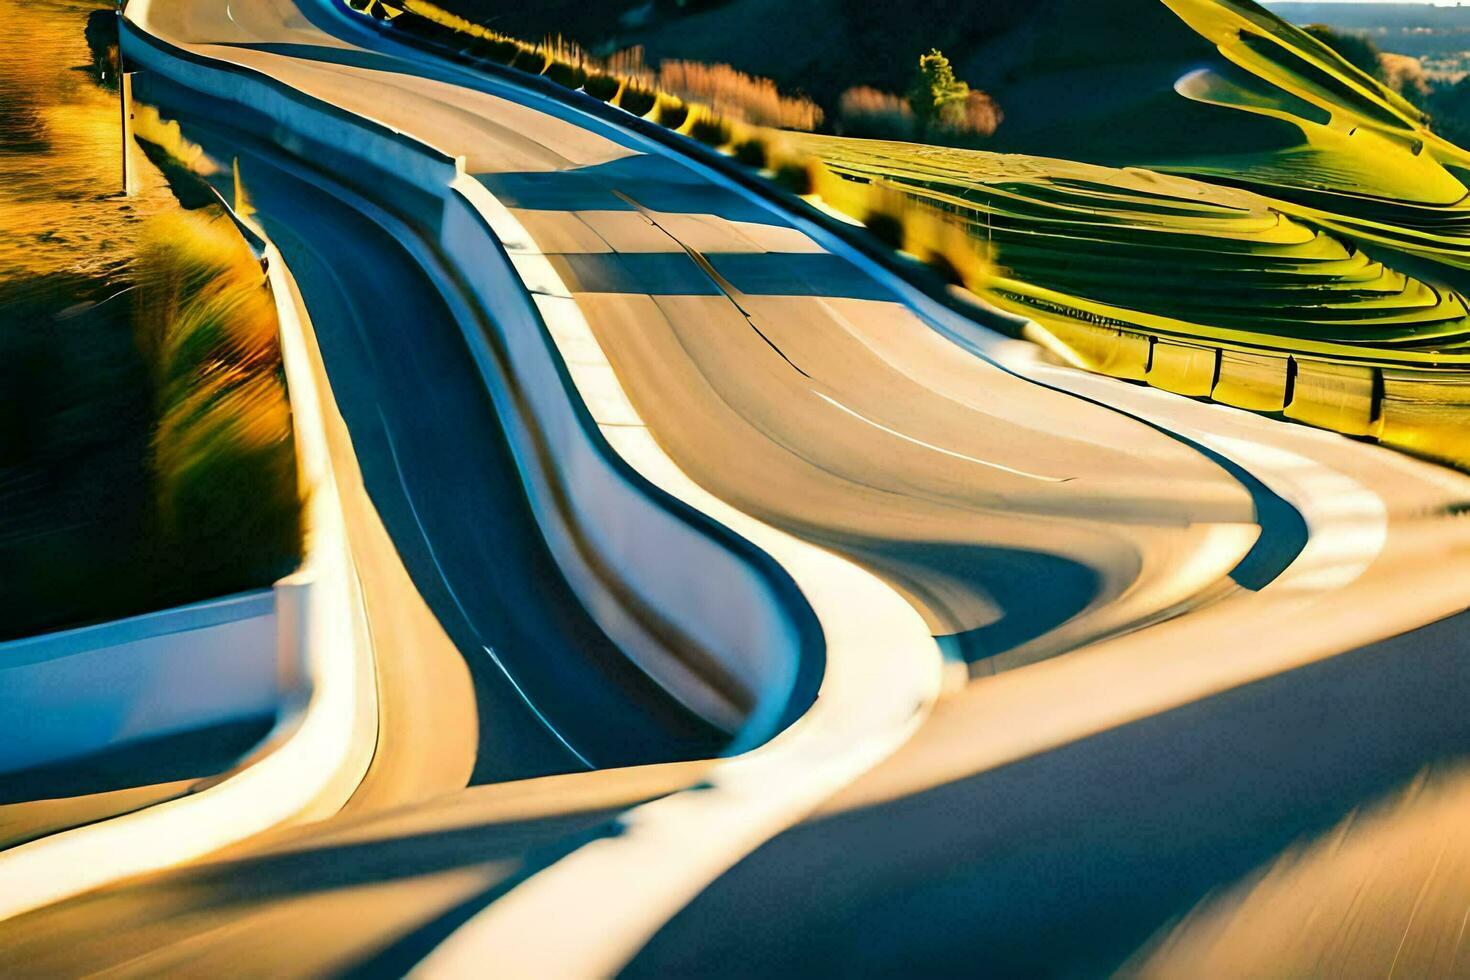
(1065, 863)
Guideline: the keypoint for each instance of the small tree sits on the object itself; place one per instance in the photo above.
(1356, 49)
(937, 97)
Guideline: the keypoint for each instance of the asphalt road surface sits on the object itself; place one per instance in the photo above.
(1177, 620)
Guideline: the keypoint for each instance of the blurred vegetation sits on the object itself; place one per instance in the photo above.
(1357, 50)
(102, 41)
(737, 95)
(1450, 107)
(146, 457)
(228, 508)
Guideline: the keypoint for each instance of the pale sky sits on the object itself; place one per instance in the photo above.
(1432, 3)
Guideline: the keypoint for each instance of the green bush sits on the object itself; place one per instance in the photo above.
(530, 60)
(565, 75)
(710, 130)
(936, 96)
(672, 112)
(637, 100)
(602, 86)
(794, 177)
(752, 153)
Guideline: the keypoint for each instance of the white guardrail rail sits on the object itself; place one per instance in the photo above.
(72, 693)
(704, 613)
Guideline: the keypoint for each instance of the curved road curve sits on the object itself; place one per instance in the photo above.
(808, 390)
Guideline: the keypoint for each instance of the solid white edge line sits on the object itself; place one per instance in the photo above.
(938, 449)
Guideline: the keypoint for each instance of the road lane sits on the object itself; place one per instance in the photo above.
(440, 472)
(891, 478)
(1143, 523)
(285, 901)
(1410, 496)
(557, 165)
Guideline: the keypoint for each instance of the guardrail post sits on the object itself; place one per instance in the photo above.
(125, 100)
(293, 626)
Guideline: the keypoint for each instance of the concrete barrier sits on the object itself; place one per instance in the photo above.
(734, 615)
(76, 692)
(1185, 369)
(73, 693)
(1341, 397)
(733, 642)
(317, 653)
(1427, 412)
(1252, 381)
(1106, 350)
(400, 171)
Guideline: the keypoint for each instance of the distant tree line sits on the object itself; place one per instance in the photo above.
(938, 107)
(1446, 104)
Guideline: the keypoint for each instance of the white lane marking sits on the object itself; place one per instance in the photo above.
(453, 594)
(535, 710)
(939, 449)
(1347, 524)
(418, 522)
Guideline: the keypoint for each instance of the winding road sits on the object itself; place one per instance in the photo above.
(1169, 638)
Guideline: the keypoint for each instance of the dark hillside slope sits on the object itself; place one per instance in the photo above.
(1094, 81)
(1088, 79)
(1219, 89)
(818, 47)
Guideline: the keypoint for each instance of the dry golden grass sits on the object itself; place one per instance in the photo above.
(149, 125)
(224, 466)
(721, 89)
(980, 116)
(873, 114)
(733, 93)
(1404, 74)
(870, 113)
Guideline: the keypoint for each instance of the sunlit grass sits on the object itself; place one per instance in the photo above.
(1263, 301)
(1368, 163)
(145, 437)
(1167, 255)
(738, 95)
(61, 204)
(224, 460)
